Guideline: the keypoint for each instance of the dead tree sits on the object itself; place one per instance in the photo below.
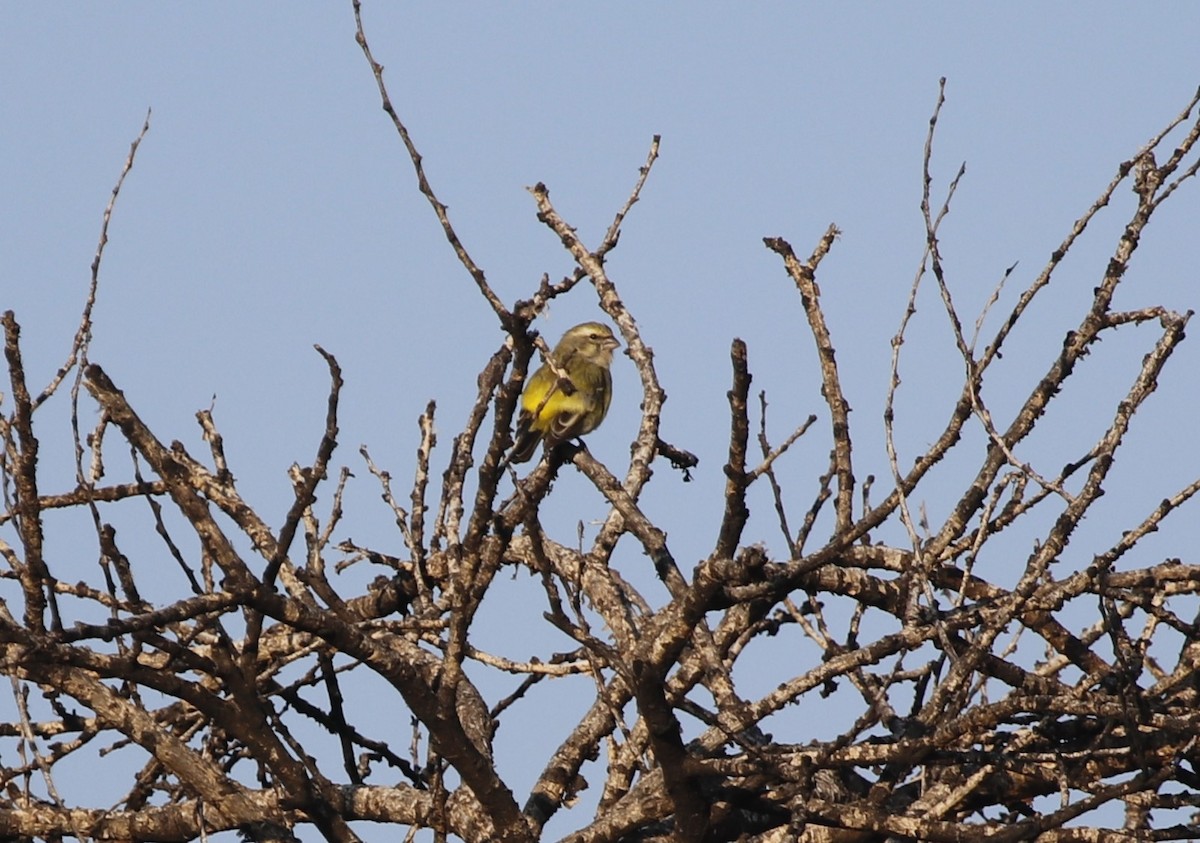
(975, 689)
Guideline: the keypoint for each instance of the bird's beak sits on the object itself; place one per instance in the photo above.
(612, 343)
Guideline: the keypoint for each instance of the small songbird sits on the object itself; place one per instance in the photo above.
(553, 413)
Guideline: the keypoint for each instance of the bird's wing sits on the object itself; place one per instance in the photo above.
(567, 423)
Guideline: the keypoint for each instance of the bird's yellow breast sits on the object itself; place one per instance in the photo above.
(557, 403)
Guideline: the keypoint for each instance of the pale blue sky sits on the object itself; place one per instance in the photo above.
(273, 207)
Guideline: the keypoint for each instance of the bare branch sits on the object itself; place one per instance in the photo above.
(439, 209)
(804, 274)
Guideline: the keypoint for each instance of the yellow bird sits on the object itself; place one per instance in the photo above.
(553, 413)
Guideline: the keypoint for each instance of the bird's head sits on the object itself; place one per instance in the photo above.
(593, 341)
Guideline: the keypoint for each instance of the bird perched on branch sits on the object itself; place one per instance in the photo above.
(560, 405)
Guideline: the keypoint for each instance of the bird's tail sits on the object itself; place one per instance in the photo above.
(523, 448)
